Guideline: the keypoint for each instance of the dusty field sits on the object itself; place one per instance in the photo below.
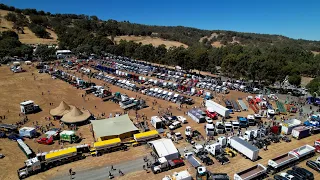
(28, 37)
(18, 87)
(150, 40)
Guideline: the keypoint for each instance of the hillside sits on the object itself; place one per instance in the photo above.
(155, 41)
(28, 37)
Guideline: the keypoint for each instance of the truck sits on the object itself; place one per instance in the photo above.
(69, 136)
(175, 125)
(235, 125)
(228, 126)
(47, 160)
(243, 122)
(255, 172)
(223, 111)
(182, 175)
(28, 132)
(46, 140)
(287, 126)
(300, 132)
(210, 130)
(162, 164)
(213, 149)
(28, 107)
(106, 146)
(289, 159)
(157, 122)
(211, 114)
(244, 148)
(192, 160)
(220, 128)
(251, 120)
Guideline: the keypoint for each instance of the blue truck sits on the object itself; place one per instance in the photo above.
(243, 122)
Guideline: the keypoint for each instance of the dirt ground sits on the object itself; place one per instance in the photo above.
(24, 86)
(150, 40)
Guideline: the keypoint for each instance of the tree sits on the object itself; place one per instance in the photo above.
(44, 52)
(11, 17)
(295, 79)
(314, 86)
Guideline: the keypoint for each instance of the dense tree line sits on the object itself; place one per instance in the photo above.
(11, 46)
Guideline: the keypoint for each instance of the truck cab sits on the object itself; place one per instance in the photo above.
(188, 131)
(251, 120)
(210, 130)
(211, 114)
(248, 135)
(220, 127)
(235, 125)
(243, 122)
(228, 126)
(213, 149)
(31, 166)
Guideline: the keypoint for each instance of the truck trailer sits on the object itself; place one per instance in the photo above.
(300, 132)
(29, 132)
(244, 148)
(223, 111)
(287, 126)
(47, 160)
(290, 159)
(192, 160)
(106, 146)
(146, 136)
(255, 172)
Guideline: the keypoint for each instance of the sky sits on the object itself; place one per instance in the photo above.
(293, 18)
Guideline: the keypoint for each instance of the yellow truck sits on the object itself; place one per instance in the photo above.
(107, 146)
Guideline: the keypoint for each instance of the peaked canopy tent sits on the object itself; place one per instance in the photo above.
(75, 116)
(117, 127)
(61, 110)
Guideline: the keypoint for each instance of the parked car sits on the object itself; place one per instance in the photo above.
(313, 165)
(309, 175)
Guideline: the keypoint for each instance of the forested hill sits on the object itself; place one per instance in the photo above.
(240, 55)
(41, 22)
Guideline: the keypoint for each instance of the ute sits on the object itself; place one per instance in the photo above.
(45, 140)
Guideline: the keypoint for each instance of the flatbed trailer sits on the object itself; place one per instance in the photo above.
(235, 106)
(291, 158)
(128, 106)
(107, 98)
(242, 105)
(192, 160)
(255, 172)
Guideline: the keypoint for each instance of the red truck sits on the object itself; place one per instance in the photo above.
(45, 140)
(212, 115)
(317, 145)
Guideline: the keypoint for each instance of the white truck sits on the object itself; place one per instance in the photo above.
(287, 126)
(213, 149)
(210, 130)
(244, 148)
(28, 132)
(228, 126)
(223, 111)
(182, 119)
(255, 172)
(291, 158)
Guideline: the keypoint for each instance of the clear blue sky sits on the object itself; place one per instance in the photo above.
(292, 18)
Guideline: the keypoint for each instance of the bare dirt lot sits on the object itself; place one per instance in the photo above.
(151, 40)
(24, 86)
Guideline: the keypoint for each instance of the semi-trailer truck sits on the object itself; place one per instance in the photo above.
(244, 148)
(290, 159)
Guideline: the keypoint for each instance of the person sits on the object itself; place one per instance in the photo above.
(110, 175)
(112, 168)
(70, 171)
(185, 149)
(121, 173)
(144, 167)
